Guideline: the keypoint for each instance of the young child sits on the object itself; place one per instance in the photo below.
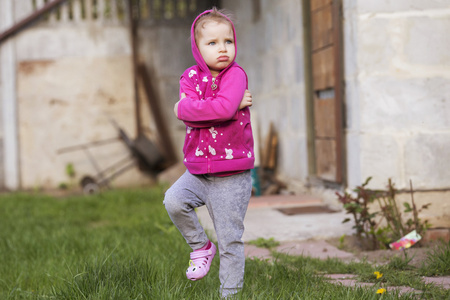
(218, 151)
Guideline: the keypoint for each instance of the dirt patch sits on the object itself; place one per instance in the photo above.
(417, 253)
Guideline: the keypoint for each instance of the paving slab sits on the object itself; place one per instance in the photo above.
(348, 280)
(252, 251)
(351, 282)
(314, 248)
(443, 281)
(267, 222)
(340, 276)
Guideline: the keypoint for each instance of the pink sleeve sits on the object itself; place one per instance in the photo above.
(217, 109)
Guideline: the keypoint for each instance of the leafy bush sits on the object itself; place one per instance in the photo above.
(368, 224)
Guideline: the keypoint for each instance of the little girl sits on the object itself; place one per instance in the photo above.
(218, 151)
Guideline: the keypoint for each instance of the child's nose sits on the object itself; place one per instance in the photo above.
(222, 47)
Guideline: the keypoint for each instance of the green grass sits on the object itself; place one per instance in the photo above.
(438, 261)
(265, 243)
(122, 245)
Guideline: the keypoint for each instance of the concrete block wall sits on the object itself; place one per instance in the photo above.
(270, 49)
(397, 74)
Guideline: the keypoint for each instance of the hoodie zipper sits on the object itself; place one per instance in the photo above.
(213, 85)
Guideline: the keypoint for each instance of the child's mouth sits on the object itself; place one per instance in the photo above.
(223, 58)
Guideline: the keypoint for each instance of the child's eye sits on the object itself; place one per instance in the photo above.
(212, 43)
(229, 42)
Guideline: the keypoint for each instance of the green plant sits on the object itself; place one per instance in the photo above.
(265, 243)
(400, 263)
(70, 170)
(437, 261)
(341, 242)
(368, 230)
(358, 205)
(393, 216)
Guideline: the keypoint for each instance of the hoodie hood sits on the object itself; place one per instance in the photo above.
(196, 53)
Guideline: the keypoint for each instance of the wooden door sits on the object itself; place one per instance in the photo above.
(326, 68)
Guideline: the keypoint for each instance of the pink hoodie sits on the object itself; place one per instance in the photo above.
(219, 138)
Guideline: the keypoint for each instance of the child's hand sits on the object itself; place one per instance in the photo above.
(175, 108)
(246, 100)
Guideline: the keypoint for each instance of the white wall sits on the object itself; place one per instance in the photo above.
(397, 71)
(64, 78)
(9, 156)
(72, 75)
(270, 49)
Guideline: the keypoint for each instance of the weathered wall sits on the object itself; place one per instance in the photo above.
(270, 48)
(63, 77)
(9, 169)
(75, 74)
(397, 92)
(72, 77)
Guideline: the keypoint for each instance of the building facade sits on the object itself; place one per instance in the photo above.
(354, 89)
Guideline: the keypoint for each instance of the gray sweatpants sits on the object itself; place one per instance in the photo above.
(226, 199)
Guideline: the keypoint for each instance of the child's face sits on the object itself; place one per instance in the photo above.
(216, 45)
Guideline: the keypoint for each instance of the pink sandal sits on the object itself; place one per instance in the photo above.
(200, 263)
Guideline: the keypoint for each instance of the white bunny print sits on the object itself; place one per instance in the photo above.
(212, 150)
(192, 73)
(213, 132)
(198, 152)
(229, 153)
(198, 89)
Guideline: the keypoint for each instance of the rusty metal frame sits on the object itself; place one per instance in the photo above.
(22, 24)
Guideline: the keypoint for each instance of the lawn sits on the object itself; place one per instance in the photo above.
(122, 245)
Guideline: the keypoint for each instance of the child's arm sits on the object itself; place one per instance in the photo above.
(246, 100)
(222, 107)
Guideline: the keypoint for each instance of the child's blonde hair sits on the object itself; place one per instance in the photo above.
(219, 16)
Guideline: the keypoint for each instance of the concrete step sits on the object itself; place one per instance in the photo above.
(284, 201)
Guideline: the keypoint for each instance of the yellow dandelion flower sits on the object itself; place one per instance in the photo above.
(381, 291)
(378, 274)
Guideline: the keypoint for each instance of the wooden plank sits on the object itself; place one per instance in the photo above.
(321, 28)
(326, 159)
(338, 88)
(316, 4)
(323, 69)
(326, 58)
(325, 119)
(307, 42)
